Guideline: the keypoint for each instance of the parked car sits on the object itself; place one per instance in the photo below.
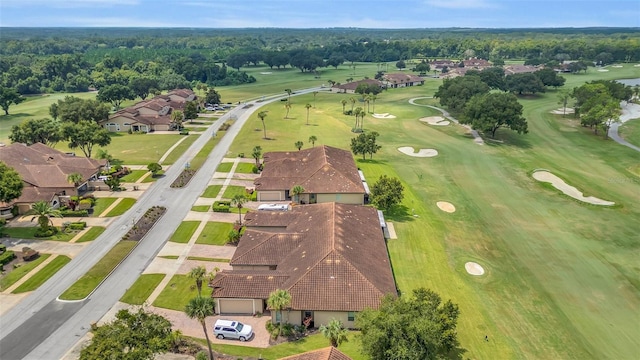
(210, 108)
(230, 329)
(273, 207)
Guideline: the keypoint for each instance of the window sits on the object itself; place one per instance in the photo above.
(351, 316)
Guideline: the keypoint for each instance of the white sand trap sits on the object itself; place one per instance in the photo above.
(636, 65)
(567, 189)
(603, 70)
(266, 73)
(435, 120)
(446, 206)
(474, 268)
(384, 116)
(560, 111)
(616, 66)
(408, 150)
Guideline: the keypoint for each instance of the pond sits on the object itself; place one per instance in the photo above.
(630, 82)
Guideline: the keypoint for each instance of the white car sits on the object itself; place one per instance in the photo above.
(229, 329)
(210, 108)
(273, 207)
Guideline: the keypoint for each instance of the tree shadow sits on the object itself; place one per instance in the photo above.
(506, 138)
(398, 213)
(456, 353)
(371, 161)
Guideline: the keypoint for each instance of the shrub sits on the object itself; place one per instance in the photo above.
(79, 225)
(221, 206)
(6, 257)
(50, 231)
(241, 155)
(74, 213)
(84, 204)
(255, 169)
(3, 248)
(184, 132)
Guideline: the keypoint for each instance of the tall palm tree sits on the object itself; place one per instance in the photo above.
(365, 100)
(288, 91)
(312, 140)
(238, 200)
(43, 211)
(198, 273)
(257, 153)
(344, 103)
(353, 102)
(74, 178)
(308, 106)
(297, 190)
(362, 114)
(288, 107)
(334, 332)
(262, 115)
(314, 98)
(200, 308)
(373, 101)
(279, 300)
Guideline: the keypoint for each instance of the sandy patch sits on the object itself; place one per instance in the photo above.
(636, 65)
(446, 206)
(435, 120)
(384, 116)
(474, 268)
(616, 66)
(603, 70)
(567, 189)
(266, 73)
(560, 111)
(408, 150)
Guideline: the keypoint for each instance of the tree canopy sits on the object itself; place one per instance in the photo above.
(489, 112)
(10, 183)
(387, 192)
(85, 135)
(115, 94)
(46, 131)
(524, 83)
(454, 93)
(365, 143)
(9, 96)
(73, 109)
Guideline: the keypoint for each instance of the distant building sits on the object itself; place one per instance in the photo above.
(397, 80)
(350, 88)
(520, 69)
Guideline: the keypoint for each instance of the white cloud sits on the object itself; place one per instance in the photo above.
(460, 4)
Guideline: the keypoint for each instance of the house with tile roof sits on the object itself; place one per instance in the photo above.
(397, 80)
(44, 172)
(332, 258)
(328, 353)
(326, 173)
(350, 87)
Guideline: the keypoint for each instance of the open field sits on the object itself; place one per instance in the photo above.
(561, 277)
(630, 131)
(138, 293)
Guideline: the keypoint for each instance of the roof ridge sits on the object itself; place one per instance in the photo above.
(359, 272)
(324, 153)
(257, 244)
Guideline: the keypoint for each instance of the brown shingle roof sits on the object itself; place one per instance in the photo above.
(400, 78)
(353, 85)
(328, 353)
(333, 255)
(247, 284)
(320, 170)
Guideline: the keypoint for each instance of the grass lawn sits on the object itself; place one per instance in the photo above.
(630, 131)
(17, 274)
(133, 176)
(101, 205)
(202, 155)
(224, 167)
(152, 178)
(214, 233)
(91, 234)
(139, 292)
(211, 191)
(89, 281)
(245, 168)
(43, 275)
(121, 207)
(184, 231)
(233, 190)
(179, 150)
(556, 269)
(178, 292)
(201, 208)
(29, 233)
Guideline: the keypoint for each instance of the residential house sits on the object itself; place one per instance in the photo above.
(478, 64)
(350, 88)
(397, 80)
(326, 173)
(441, 64)
(520, 69)
(44, 172)
(328, 353)
(331, 258)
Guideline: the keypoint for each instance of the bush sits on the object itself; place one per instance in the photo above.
(50, 231)
(84, 204)
(184, 132)
(241, 155)
(348, 112)
(3, 248)
(78, 225)
(221, 206)
(7, 257)
(255, 170)
(74, 213)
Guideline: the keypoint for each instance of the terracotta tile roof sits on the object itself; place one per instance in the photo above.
(320, 170)
(353, 85)
(328, 353)
(247, 284)
(520, 69)
(400, 78)
(476, 63)
(333, 255)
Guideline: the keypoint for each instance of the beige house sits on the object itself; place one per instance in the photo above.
(332, 259)
(44, 172)
(326, 173)
(350, 88)
(397, 80)
(328, 353)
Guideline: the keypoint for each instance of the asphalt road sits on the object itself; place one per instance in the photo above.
(42, 327)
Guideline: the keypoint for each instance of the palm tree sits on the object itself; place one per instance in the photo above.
(74, 178)
(238, 200)
(312, 140)
(262, 115)
(373, 100)
(365, 100)
(288, 107)
(288, 91)
(314, 98)
(297, 190)
(334, 332)
(299, 144)
(563, 99)
(362, 114)
(279, 300)
(198, 273)
(353, 102)
(308, 106)
(200, 308)
(257, 153)
(344, 103)
(43, 211)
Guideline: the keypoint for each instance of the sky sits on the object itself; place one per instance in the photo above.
(320, 13)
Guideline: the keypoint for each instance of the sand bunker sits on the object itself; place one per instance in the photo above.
(474, 268)
(408, 150)
(567, 189)
(384, 116)
(616, 66)
(560, 111)
(446, 206)
(435, 120)
(603, 70)
(266, 73)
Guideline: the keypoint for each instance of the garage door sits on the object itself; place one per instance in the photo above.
(236, 306)
(269, 196)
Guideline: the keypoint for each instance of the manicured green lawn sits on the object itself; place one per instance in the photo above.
(214, 233)
(121, 207)
(178, 292)
(89, 281)
(29, 233)
(43, 275)
(199, 258)
(91, 234)
(133, 176)
(17, 274)
(184, 231)
(179, 150)
(224, 167)
(202, 155)
(233, 190)
(211, 191)
(101, 205)
(139, 292)
(630, 131)
(201, 208)
(245, 168)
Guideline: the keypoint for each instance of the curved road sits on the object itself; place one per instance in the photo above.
(42, 327)
(630, 111)
(476, 137)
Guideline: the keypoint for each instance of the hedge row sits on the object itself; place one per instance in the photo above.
(221, 206)
(74, 213)
(6, 257)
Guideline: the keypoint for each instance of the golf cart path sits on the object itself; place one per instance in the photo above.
(476, 137)
(630, 111)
